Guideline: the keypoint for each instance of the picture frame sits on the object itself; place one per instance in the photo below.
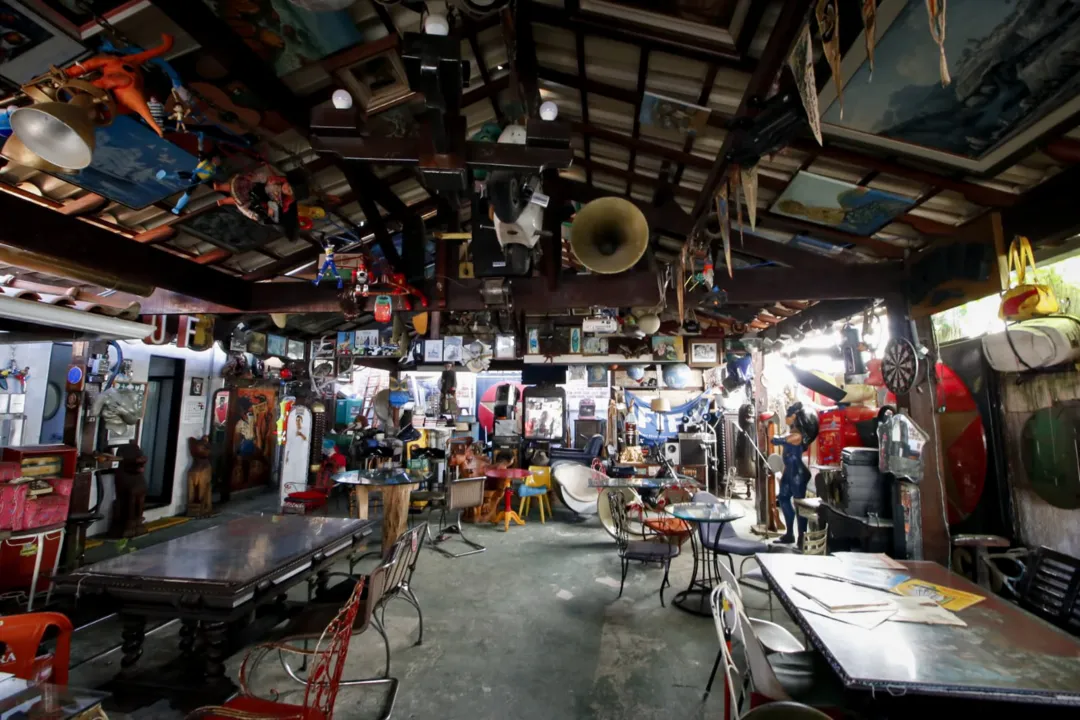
(594, 345)
(505, 347)
(597, 376)
(345, 343)
(376, 82)
(256, 343)
(31, 44)
(533, 345)
(365, 342)
(839, 204)
(575, 341)
(196, 387)
(238, 342)
(294, 350)
(453, 348)
(275, 345)
(704, 354)
(343, 367)
(667, 348)
(433, 351)
(940, 125)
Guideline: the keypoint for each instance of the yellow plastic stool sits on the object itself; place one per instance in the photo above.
(540, 478)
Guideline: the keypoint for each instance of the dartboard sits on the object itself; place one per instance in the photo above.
(899, 366)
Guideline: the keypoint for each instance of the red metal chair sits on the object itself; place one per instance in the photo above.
(322, 684)
(21, 635)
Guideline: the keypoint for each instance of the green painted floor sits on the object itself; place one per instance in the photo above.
(531, 628)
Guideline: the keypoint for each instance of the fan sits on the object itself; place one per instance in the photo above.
(900, 366)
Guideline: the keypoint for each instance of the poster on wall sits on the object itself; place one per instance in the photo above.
(275, 345)
(295, 350)
(543, 418)
(253, 437)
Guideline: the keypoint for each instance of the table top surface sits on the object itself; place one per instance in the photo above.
(507, 473)
(231, 555)
(25, 700)
(706, 512)
(1003, 652)
(380, 476)
(603, 481)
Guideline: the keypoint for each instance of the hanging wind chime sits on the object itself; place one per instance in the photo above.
(936, 10)
(749, 180)
(801, 62)
(828, 21)
(869, 19)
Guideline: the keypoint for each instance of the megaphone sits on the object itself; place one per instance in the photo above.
(609, 235)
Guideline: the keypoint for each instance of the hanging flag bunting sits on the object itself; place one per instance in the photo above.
(749, 182)
(936, 10)
(737, 179)
(869, 21)
(724, 214)
(801, 62)
(829, 28)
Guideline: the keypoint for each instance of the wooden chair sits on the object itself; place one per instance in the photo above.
(537, 485)
(460, 495)
(672, 528)
(647, 551)
(322, 683)
(20, 639)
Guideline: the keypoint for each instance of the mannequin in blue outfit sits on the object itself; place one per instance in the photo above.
(803, 423)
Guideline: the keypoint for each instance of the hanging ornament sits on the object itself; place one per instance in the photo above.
(749, 182)
(829, 29)
(869, 21)
(936, 10)
(723, 213)
(801, 62)
(737, 178)
(384, 309)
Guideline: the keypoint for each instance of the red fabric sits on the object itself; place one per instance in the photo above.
(270, 709)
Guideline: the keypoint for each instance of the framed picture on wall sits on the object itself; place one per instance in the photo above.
(29, 44)
(433, 351)
(505, 347)
(256, 343)
(704, 354)
(452, 348)
(667, 348)
(594, 345)
(533, 347)
(295, 350)
(575, 341)
(275, 345)
(197, 386)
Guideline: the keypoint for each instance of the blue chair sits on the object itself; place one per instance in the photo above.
(721, 538)
(585, 456)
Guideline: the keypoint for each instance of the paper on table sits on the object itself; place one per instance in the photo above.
(947, 597)
(880, 561)
(837, 596)
(864, 620)
(924, 610)
(872, 578)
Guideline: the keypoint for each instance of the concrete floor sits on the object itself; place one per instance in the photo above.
(531, 627)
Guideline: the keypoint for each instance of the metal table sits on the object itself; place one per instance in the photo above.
(695, 598)
(396, 485)
(29, 701)
(236, 571)
(1003, 654)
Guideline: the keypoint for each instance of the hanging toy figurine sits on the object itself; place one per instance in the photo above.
(804, 430)
(205, 171)
(329, 267)
(261, 195)
(122, 76)
(707, 273)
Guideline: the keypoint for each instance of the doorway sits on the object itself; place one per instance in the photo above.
(53, 412)
(161, 426)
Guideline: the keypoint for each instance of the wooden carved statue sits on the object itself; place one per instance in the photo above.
(127, 512)
(199, 503)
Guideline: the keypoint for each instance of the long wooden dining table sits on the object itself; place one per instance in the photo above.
(1002, 653)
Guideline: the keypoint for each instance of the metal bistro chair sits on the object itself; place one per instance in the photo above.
(802, 677)
(816, 542)
(407, 551)
(460, 495)
(647, 551)
(323, 682)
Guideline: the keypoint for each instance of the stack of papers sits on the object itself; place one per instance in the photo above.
(872, 578)
(840, 597)
(948, 598)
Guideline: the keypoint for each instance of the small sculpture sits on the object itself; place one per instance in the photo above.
(127, 511)
(200, 503)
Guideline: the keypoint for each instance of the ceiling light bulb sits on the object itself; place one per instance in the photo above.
(549, 110)
(342, 99)
(436, 24)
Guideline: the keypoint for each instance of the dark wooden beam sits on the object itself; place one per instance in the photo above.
(523, 59)
(642, 73)
(642, 146)
(482, 67)
(772, 221)
(751, 23)
(655, 39)
(793, 14)
(629, 177)
(485, 91)
(29, 226)
(229, 49)
(583, 95)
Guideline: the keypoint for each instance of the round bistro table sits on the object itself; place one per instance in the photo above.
(695, 598)
(507, 476)
(396, 485)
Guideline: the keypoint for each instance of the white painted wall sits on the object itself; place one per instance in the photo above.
(206, 364)
(36, 357)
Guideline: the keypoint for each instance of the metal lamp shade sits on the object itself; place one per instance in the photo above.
(58, 133)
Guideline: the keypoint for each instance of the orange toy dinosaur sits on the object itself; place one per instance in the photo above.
(121, 75)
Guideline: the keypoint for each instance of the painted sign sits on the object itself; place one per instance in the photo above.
(195, 332)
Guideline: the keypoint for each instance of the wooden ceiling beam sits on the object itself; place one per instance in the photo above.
(521, 50)
(485, 91)
(485, 76)
(642, 73)
(772, 221)
(30, 226)
(793, 15)
(642, 146)
(583, 94)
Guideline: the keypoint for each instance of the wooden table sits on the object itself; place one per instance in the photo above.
(396, 484)
(1003, 654)
(221, 582)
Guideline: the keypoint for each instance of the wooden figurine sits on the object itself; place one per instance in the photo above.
(127, 511)
(199, 503)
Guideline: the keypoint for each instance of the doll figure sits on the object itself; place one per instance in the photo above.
(803, 423)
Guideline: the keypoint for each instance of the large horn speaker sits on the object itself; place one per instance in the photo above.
(609, 235)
